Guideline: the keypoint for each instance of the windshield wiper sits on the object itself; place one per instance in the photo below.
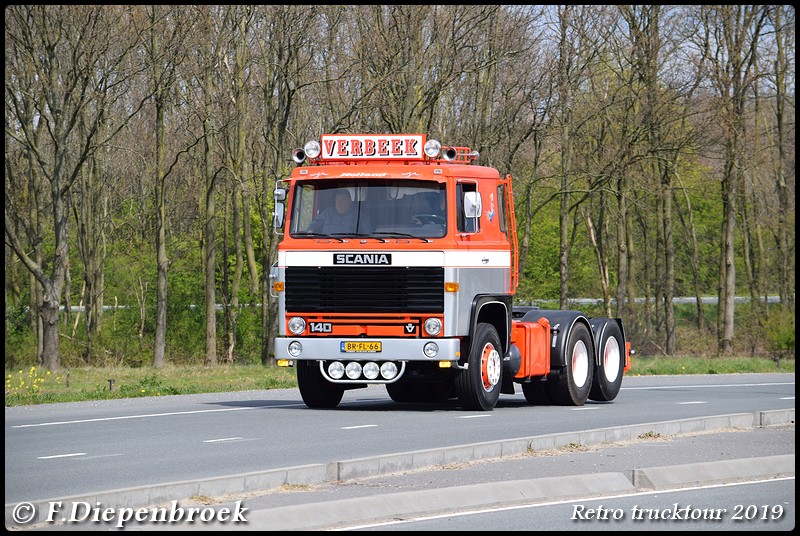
(310, 234)
(356, 235)
(393, 234)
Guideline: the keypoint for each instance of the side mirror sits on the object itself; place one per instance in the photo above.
(277, 216)
(280, 194)
(472, 205)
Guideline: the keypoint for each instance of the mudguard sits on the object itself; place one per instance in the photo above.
(561, 323)
(598, 326)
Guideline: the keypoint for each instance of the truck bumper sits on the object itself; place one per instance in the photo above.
(328, 349)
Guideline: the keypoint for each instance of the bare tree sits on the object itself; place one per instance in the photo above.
(69, 64)
(730, 37)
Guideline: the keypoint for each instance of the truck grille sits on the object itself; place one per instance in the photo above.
(364, 289)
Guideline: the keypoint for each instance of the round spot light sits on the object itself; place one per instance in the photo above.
(389, 370)
(431, 349)
(353, 370)
(371, 370)
(295, 348)
(336, 370)
(297, 325)
(433, 326)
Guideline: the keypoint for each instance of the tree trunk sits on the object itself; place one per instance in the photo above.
(565, 115)
(209, 242)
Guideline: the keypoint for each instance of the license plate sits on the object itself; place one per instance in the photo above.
(360, 346)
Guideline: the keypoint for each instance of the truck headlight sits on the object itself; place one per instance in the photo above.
(297, 325)
(433, 326)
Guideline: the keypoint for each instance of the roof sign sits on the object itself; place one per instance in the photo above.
(372, 147)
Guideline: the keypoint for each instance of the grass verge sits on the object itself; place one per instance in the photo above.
(37, 386)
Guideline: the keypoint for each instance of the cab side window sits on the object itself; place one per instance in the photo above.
(465, 225)
(501, 208)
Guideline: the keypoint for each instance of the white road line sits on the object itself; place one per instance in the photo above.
(221, 440)
(585, 408)
(146, 415)
(359, 426)
(694, 402)
(786, 398)
(704, 386)
(474, 416)
(61, 456)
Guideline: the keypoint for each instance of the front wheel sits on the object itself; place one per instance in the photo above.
(574, 381)
(478, 387)
(317, 392)
(608, 376)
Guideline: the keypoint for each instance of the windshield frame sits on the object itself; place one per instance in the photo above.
(384, 208)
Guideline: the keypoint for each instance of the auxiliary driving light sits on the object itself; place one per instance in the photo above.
(353, 370)
(312, 148)
(431, 349)
(432, 148)
(389, 370)
(336, 370)
(295, 348)
(371, 370)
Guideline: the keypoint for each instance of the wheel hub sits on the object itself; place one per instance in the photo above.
(490, 367)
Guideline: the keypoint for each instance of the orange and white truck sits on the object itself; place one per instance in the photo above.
(398, 266)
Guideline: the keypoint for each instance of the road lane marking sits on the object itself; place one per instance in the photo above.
(359, 426)
(146, 415)
(61, 456)
(786, 398)
(704, 386)
(694, 402)
(584, 408)
(222, 439)
(474, 416)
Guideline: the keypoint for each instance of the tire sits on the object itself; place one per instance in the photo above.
(317, 392)
(419, 391)
(535, 392)
(400, 391)
(608, 375)
(478, 387)
(574, 381)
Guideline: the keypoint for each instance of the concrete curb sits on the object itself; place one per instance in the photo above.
(741, 470)
(363, 510)
(380, 465)
(434, 501)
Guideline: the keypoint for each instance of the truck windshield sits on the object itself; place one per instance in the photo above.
(380, 209)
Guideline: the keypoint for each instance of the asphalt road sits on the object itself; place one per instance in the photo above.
(155, 450)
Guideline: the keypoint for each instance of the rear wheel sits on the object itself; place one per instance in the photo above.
(574, 381)
(317, 392)
(535, 393)
(608, 376)
(478, 387)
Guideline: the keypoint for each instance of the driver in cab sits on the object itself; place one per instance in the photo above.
(342, 217)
